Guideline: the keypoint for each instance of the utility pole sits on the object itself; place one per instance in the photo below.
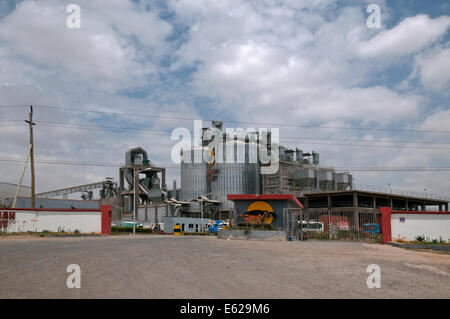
(135, 198)
(30, 123)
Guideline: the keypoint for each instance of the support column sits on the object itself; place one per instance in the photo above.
(146, 211)
(355, 212)
(374, 202)
(163, 177)
(156, 215)
(136, 193)
(446, 207)
(423, 206)
(121, 197)
(407, 205)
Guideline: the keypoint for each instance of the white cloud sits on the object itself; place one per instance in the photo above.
(265, 61)
(438, 121)
(410, 36)
(434, 69)
(101, 51)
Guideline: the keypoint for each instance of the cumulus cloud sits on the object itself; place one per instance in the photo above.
(409, 36)
(433, 69)
(292, 61)
(101, 51)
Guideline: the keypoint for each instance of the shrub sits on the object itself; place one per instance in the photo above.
(248, 227)
(420, 238)
(198, 234)
(130, 229)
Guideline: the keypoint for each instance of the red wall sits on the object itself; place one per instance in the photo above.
(106, 219)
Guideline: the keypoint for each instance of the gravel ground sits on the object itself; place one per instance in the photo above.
(152, 266)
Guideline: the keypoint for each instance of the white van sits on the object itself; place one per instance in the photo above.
(312, 226)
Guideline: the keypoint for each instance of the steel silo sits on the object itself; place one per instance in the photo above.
(234, 177)
(193, 177)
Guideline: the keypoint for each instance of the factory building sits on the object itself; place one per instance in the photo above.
(221, 166)
(145, 183)
(299, 174)
(233, 168)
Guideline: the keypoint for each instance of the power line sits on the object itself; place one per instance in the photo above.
(281, 138)
(241, 122)
(75, 125)
(165, 133)
(172, 165)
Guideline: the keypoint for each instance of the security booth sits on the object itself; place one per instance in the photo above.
(273, 211)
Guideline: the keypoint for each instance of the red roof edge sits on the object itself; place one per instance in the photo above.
(265, 197)
(52, 209)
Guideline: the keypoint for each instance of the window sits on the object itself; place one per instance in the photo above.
(191, 226)
(182, 227)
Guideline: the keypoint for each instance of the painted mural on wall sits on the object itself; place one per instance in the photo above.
(259, 212)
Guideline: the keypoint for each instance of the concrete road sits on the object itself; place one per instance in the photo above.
(195, 267)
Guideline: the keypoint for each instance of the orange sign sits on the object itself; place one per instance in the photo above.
(259, 212)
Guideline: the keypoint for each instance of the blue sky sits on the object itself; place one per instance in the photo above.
(295, 62)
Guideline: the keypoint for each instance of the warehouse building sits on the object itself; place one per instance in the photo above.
(8, 190)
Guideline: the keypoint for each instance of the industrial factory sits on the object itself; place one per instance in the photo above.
(207, 185)
(225, 178)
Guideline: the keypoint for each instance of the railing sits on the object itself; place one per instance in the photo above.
(378, 189)
(341, 225)
(395, 191)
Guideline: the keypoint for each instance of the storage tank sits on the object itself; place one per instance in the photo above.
(193, 177)
(315, 157)
(325, 177)
(306, 178)
(342, 181)
(234, 177)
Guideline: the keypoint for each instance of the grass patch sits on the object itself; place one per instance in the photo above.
(120, 229)
(250, 227)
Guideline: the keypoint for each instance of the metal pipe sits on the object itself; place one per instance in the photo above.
(136, 193)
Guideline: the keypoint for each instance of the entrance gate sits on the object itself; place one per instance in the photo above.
(290, 223)
(340, 225)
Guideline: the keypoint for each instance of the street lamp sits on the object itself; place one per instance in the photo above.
(136, 194)
(201, 201)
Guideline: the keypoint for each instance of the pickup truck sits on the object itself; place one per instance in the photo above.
(370, 228)
(218, 225)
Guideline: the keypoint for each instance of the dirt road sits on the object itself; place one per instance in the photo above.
(150, 266)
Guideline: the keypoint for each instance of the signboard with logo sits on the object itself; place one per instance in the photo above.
(344, 226)
(259, 212)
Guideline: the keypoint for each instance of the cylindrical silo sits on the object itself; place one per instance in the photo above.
(193, 177)
(236, 176)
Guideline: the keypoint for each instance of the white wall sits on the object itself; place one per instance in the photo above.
(428, 225)
(29, 220)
